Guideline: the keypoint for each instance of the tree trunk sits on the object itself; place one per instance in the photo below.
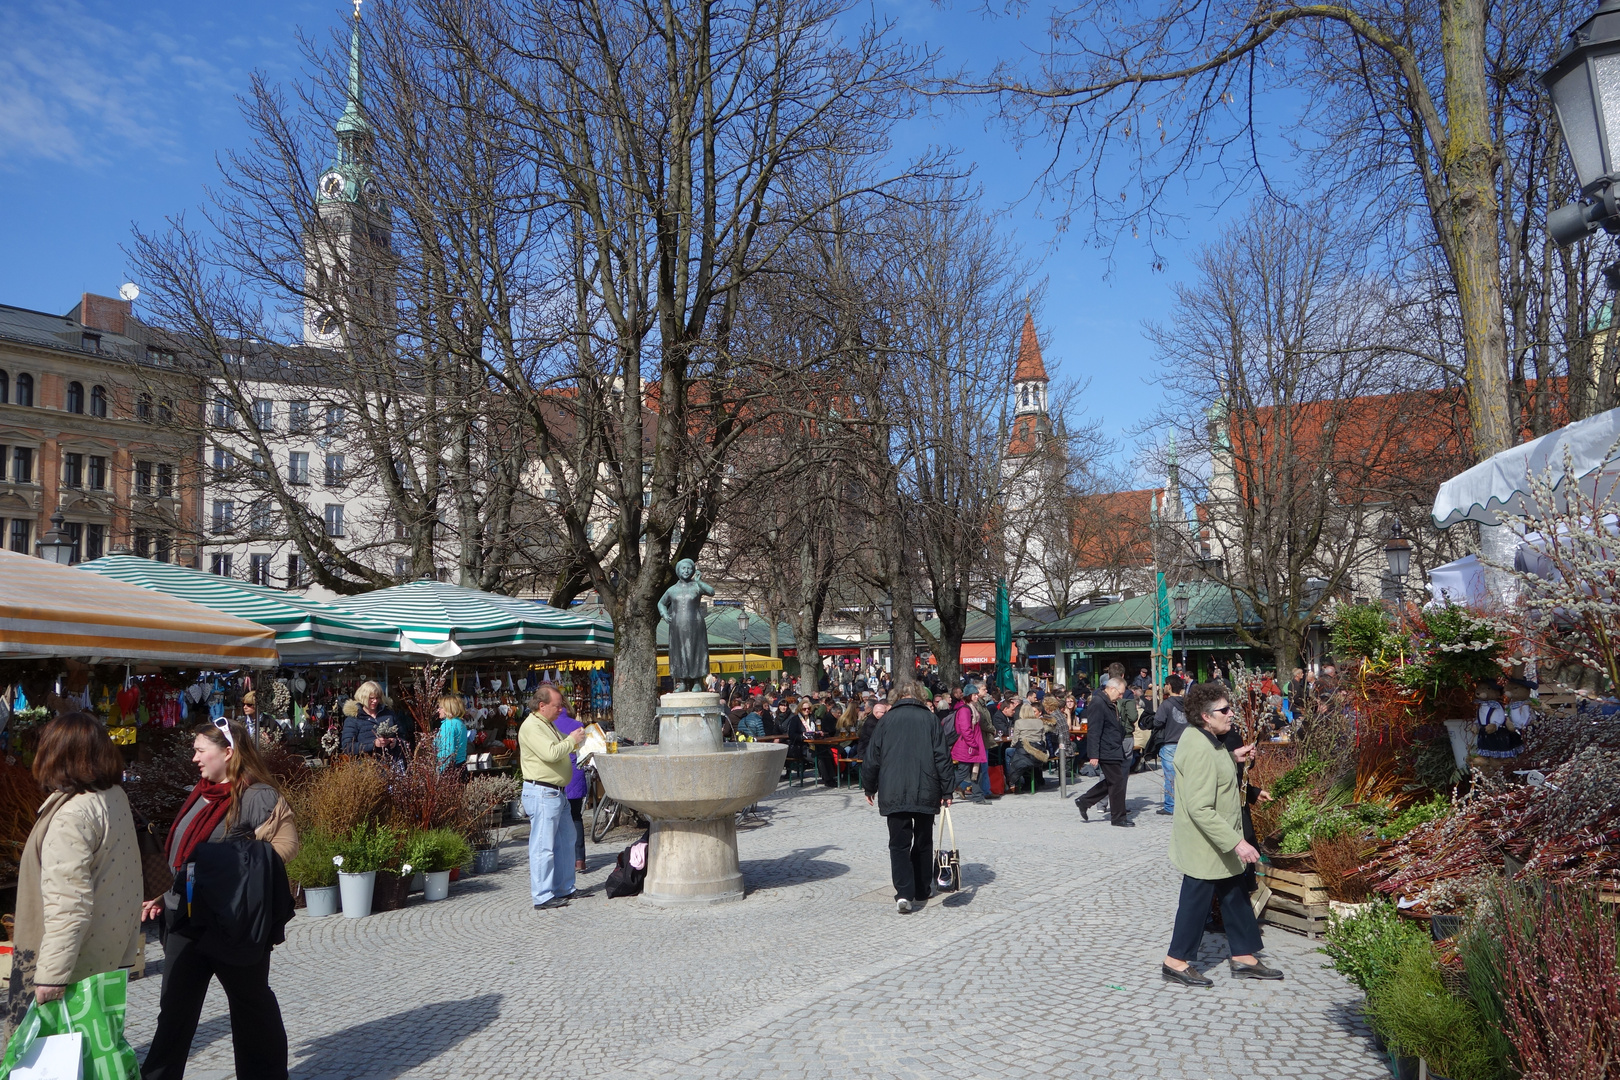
(635, 672)
(1470, 217)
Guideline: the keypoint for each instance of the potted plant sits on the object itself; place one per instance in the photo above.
(435, 853)
(1424, 1020)
(316, 874)
(366, 849)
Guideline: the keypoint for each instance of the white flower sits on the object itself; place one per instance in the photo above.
(406, 868)
(337, 861)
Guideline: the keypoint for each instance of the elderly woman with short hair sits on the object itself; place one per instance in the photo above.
(360, 730)
(1207, 845)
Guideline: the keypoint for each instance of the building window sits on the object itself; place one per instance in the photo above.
(161, 544)
(143, 543)
(73, 470)
(259, 569)
(159, 356)
(165, 412)
(220, 563)
(224, 412)
(89, 343)
(22, 465)
(224, 463)
(98, 401)
(264, 414)
(165, 482)
(5, 388)
(334, 421)
(96, 474)
(95, 541)
(334, 519)
(224, 516)
(143, 408)
(5, 453)
(334, 470)
(295, 571)
(25, 389)
(75, 397)
(298, 417)
(297, 467)
(260, 473)
(143, 478)
(75, 535)
(261, 517)
(19, 535)
(402, 567)
(399, 528)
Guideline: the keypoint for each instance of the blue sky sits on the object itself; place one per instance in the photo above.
(113, 114)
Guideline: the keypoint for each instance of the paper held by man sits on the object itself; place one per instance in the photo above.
(595, 742)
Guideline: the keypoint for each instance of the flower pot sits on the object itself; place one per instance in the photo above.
(486, 860)
(1426, 1073)
(438, 885)
(321, 901)
(356, 890)
(389, 894)
(1403, 1068)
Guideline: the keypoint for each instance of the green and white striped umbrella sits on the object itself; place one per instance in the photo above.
(307, 631)
(433, 614)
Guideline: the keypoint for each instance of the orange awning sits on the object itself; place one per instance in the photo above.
(983, 652)
(48, 610)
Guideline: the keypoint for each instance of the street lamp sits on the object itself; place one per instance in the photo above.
(55, 546)
(1585, 86)
(742, 632)
(1399, 553)
(1182, 599)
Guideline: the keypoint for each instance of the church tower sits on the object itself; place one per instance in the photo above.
(1032, 424)
(348, 257)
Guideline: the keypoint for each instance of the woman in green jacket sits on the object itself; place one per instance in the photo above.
(1207, 845)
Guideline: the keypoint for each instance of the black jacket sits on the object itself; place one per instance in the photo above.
(1170, 721)
(1104, 739)
(907, 763)
(868, 726)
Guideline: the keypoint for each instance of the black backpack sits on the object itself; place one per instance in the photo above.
(240, 900)
(624, 879)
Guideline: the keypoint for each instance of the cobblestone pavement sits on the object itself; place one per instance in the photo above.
(1046, 964)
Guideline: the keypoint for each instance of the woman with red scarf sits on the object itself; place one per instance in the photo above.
(236, 797)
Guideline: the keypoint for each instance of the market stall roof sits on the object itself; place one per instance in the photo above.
(48, 610)
(1501, 483)
(980, 628)
(433, 614)
(731, 663)
(1209, 605)
(307, 631)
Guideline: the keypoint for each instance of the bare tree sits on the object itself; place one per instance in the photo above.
(1314, 418)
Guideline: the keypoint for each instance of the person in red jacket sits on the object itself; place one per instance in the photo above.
(969, 753)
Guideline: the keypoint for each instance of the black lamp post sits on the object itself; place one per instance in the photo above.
(1399, 553)
(55, 546)
(742, 632)
(1585, 86)
(1183, 600)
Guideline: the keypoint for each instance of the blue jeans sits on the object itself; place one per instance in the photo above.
(551, 842)
(1167, 766)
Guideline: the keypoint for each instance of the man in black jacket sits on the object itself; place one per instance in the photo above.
(907, 765)
(1168, 724)
(1105, 747)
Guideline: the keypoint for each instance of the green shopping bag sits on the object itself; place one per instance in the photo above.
(94, 1008)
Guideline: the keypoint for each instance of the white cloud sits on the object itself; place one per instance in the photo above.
(79, 87)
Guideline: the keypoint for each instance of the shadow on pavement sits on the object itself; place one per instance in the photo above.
(974, 877)
(800, 868)
(394, 1045)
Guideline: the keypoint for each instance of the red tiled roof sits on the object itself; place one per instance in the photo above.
(1030, 365)
(1113, 529)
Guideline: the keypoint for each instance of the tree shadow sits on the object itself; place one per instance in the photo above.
(393, 1045)
(798, 868)
(974, 877)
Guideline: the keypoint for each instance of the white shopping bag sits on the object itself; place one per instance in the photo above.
(54, 1057)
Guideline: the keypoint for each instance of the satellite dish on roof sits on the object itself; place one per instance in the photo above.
(129, 291)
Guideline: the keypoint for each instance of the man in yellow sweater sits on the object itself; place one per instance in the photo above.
(543, 752)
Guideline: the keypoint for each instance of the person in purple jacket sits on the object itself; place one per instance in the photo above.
(575, 791)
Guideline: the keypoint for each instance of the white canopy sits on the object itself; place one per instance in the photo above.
(1461, 581)
(1502, 482)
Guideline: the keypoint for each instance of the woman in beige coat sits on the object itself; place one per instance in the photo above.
(79, 882)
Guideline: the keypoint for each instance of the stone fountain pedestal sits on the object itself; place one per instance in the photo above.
(690, 786)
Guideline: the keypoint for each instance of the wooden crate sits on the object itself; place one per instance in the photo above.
(1298, 901)
(1299, 886)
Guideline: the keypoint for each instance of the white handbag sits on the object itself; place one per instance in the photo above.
(53, 1057)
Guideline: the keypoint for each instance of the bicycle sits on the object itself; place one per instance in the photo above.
(609, 814)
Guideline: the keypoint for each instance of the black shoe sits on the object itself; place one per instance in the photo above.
(1165, 813)
(554, 902)
(1188, 976)
(1078, 805)
(1123, 824)
(1252, 971)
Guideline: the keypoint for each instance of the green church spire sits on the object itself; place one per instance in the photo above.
(353, 120)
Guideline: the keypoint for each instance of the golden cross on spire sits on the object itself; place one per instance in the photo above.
(357, 10)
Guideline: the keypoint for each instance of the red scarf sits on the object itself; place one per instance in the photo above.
(202, 826)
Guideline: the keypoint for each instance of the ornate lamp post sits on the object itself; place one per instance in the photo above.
(1399, 553)
(1182, 599)
(1585, 86)
(55, 546)
(742, 632)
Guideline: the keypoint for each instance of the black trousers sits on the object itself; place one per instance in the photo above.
(911, 855)
(257, 1033)
(576, 810)
(1111, 786)
(1242, 932)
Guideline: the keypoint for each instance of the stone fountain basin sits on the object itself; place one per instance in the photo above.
(691, 787)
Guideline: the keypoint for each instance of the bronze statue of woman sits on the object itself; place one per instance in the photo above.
(682, 607)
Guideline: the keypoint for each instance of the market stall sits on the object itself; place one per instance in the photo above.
(457, 622)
